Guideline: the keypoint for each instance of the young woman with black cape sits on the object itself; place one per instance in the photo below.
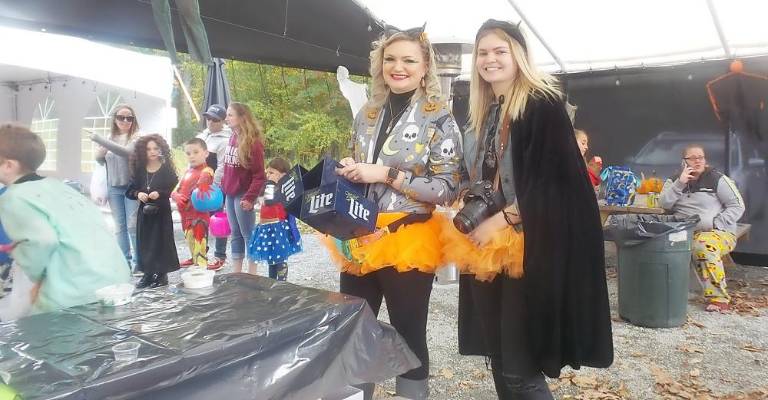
(534, 305)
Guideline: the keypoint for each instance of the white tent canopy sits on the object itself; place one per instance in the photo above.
(66, 55)
(65, 88)
(600, 34)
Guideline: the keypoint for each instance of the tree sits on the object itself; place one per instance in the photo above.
(303, 113)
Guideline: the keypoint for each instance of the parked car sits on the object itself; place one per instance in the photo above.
(662, 155)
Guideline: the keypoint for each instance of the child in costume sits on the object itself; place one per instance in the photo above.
(276, 237)
(59, 238)
(153, 179)
(193, 222)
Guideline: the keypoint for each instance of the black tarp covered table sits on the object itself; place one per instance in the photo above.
(248, 337)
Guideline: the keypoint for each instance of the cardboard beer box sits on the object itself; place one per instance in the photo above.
(291, 190)
(333, 205)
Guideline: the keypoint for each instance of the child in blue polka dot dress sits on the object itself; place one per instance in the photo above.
(276, 237)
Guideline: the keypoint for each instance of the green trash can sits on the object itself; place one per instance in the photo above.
(654, 256)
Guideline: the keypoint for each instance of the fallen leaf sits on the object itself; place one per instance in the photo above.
(585, 381)
(661, 376)
(567, 376)
(446, 373)
(753, 349)
(479, 375)
(695, 323)
(695, 373)
(467, 384)
(690, 349)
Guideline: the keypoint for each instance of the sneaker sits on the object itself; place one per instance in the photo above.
(216, 264)
(186, 263)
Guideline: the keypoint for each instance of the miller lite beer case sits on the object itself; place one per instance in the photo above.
(331, 204)
(291, 189)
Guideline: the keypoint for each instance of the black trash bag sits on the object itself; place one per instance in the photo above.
(634, 229)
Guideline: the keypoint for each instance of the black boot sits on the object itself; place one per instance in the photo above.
(161, 279)
(145, 281)
(514, 387)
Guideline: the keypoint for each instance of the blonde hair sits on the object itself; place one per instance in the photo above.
(578, 133)
(528, 82)
(379, 89)
(249, 132)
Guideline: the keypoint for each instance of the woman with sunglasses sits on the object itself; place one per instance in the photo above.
(114, 152)
(535, 305)
(407, 149)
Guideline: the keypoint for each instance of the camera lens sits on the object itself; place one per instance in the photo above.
(463, 224)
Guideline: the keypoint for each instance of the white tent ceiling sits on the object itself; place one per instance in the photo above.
(600, 34)
(27, 56)
(12, 75)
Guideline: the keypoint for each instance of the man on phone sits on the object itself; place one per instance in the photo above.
(703, 191)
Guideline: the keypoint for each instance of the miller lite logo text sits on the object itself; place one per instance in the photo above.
(289, 189)
(319, 201)
(356, 210)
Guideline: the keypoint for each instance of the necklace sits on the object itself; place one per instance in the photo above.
(395, 117)
(150, 176)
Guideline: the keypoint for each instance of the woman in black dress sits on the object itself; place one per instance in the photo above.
(543, 303)
(153, 179)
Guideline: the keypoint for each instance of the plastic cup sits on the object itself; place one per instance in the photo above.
(126, 351)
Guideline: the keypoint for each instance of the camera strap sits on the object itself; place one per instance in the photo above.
(503, 142)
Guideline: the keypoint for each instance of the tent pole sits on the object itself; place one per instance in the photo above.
(186, 93)
(536, 33)
(719, 28)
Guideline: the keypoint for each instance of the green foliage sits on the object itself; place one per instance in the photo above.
(303, 112)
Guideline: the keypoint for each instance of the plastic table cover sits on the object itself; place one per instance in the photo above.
(247, 337)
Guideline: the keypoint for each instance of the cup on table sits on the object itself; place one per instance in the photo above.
(126, 351)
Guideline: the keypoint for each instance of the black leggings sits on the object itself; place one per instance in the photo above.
(407, 296)
(516, 387)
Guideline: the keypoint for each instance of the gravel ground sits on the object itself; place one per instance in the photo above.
(717, 354)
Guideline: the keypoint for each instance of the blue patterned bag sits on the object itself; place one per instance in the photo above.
(620, 185)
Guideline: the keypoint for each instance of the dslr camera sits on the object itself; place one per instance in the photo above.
(480, 202)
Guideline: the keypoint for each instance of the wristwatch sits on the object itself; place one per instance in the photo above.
(392, 175)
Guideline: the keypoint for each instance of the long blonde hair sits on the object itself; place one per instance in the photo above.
(528, 82)
(379, 89)
(249, 131)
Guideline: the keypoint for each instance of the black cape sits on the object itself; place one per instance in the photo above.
(154, 233)
(558, 313)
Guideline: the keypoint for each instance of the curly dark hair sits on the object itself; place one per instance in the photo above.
(138, 161)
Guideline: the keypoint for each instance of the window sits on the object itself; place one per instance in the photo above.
(98, 121)
(46, 125)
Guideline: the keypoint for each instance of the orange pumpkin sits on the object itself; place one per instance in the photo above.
(650, 185)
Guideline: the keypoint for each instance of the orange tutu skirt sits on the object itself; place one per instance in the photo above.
(504, 253)
(415, 246)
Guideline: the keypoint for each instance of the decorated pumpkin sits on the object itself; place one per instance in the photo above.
(650, 185)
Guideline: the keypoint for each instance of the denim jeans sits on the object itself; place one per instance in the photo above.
(220, 247)
(241, 222)
(124, 212)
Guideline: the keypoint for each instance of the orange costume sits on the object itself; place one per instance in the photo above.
(193, 222)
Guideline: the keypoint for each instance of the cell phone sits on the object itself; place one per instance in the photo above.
(683, 164)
